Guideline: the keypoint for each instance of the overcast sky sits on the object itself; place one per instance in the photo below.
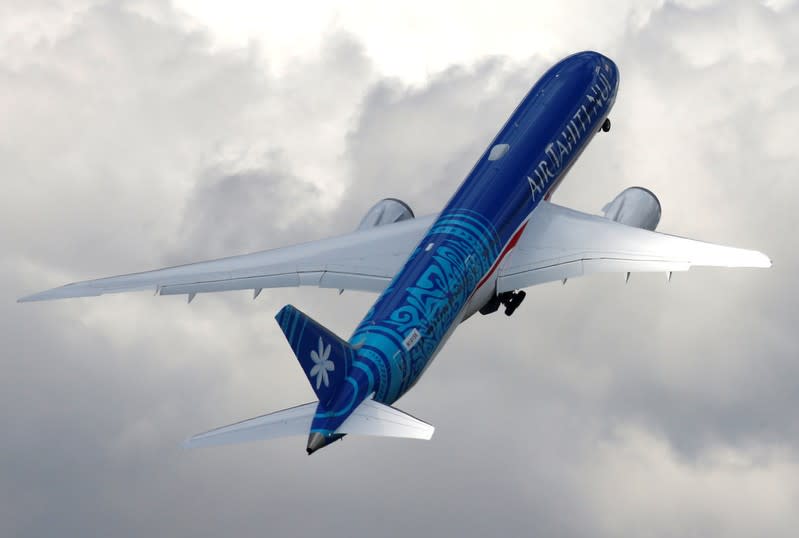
(135, 135)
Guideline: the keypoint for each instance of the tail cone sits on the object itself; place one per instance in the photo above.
(317, 440)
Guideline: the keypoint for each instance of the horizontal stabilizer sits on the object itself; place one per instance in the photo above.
(285, 423)
(379, 420)
(370, 418)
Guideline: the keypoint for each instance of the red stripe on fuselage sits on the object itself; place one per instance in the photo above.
(508, 248)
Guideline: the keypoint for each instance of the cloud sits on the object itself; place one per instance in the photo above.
(132, 140)
(418, 143)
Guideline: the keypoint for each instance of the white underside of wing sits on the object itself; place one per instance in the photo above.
(563, 243)
(365, 260)
(369, 418)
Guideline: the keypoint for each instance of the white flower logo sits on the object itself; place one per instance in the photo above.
(322, 365)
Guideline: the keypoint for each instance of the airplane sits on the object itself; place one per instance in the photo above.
(497, 235)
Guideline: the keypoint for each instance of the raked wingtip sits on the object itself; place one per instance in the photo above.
(68, 291)
(32, 298)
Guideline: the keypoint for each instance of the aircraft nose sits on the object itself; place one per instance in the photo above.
(594, 59)
(597, 64)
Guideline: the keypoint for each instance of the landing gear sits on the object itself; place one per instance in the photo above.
(509, 299)
(605, 125)
(491, 306)
(513, 302)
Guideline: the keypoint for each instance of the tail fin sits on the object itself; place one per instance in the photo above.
(325, 358)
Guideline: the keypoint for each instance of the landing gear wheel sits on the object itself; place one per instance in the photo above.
(509, 299)
(491, 306)
(513, 302)
(606, 125)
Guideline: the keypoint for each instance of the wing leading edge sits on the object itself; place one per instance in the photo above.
(364, 261)
(563, 243)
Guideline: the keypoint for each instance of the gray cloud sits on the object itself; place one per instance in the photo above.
(259, 199)
(420, 142)
(598, 409)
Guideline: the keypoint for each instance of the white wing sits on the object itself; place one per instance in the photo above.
(365, 260)
(563, 243)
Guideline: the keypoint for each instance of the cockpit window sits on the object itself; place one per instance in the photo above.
(498, 151)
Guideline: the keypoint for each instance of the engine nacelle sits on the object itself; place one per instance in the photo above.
(386, 211)
(634, 206)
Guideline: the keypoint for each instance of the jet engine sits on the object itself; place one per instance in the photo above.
(634, 206)
(386, 211)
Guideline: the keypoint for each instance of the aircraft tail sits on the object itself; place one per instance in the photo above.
(325, 358)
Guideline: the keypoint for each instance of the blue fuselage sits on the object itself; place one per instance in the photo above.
(452, 272)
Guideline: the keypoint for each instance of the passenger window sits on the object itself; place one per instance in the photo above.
(498, 151)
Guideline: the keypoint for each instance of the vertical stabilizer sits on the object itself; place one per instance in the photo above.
(325, 358)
